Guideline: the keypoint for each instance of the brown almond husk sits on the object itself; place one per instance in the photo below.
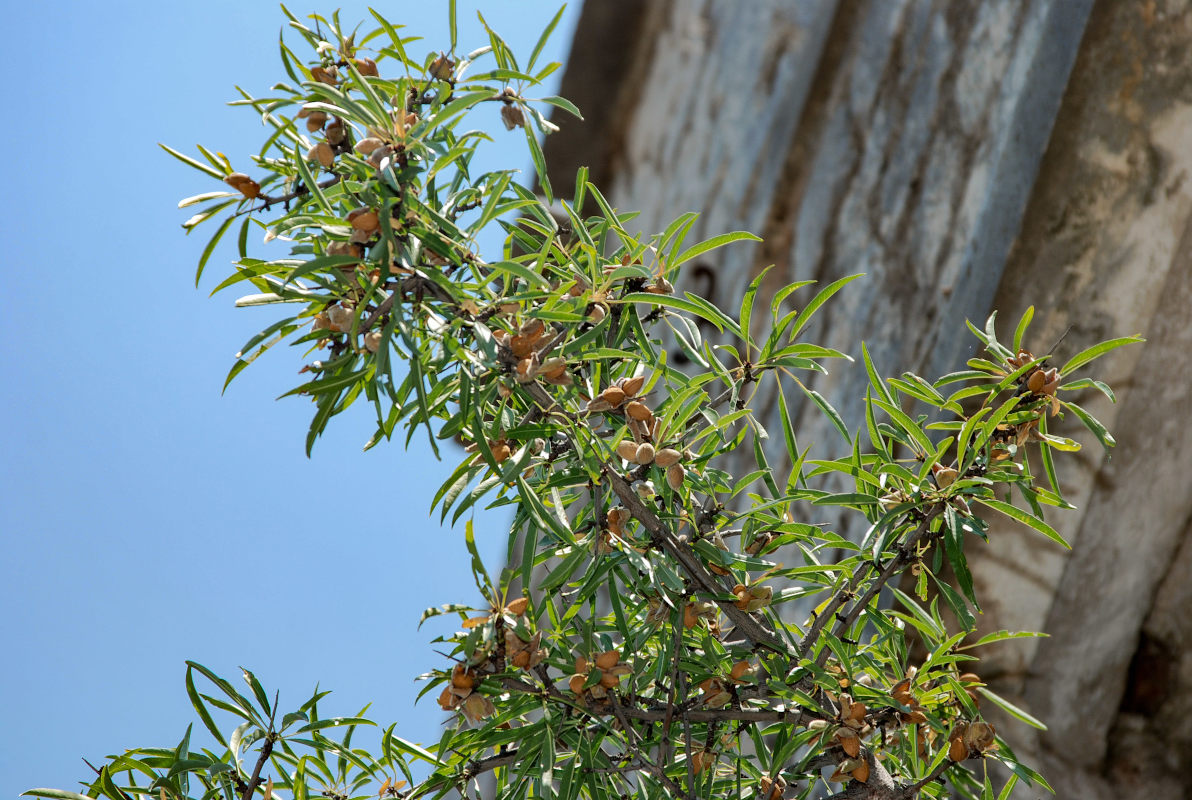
(614, 396)
(365, 146)
(861, 773)
(322, 153)
(315, 120)
(644, 454)
(336, 132)
(638, 410)
(608, 659)
(633, 385)
(667, 457)
(627, 450)
(364, 219)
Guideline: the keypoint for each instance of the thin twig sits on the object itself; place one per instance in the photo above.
(749, 625)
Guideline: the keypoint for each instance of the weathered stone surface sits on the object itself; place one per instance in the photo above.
(1105, 248)
(913, 140)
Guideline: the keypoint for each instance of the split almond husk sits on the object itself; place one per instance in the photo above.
(638, 410)
(244, 184)
(632, 385)
(614, 396)
(328, 75)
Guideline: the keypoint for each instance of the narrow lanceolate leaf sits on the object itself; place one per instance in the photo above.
(192, 162)
(1011, 709)
(711, 244)
(1026, 519)
(1096, 351)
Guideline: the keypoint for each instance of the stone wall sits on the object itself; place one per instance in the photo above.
(965, 155)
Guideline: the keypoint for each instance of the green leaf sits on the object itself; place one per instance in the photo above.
(697, 250)
(1020, 331)
(1011, 709)
(210, 248)
(544, 37)
(539, 163)
(193, 163)
(826, 407)
(1025, 518)
(563, 103)
(1096, 351)
(478, 571)
(1093, 424)
(912, 428)
(201, 708)
(820, 298)
(55, 794)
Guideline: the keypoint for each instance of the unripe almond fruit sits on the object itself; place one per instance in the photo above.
(644, 454)
(628, 451)
(638, 410)
(667, 457)
(372, 341)
(946, 477)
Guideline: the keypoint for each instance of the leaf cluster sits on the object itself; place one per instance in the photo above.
(650, 633)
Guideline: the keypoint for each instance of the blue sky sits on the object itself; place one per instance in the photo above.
(146, 519)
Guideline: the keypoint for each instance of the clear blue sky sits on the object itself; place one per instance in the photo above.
(145, 518)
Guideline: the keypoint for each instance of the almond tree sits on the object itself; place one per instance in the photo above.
(636, 644)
